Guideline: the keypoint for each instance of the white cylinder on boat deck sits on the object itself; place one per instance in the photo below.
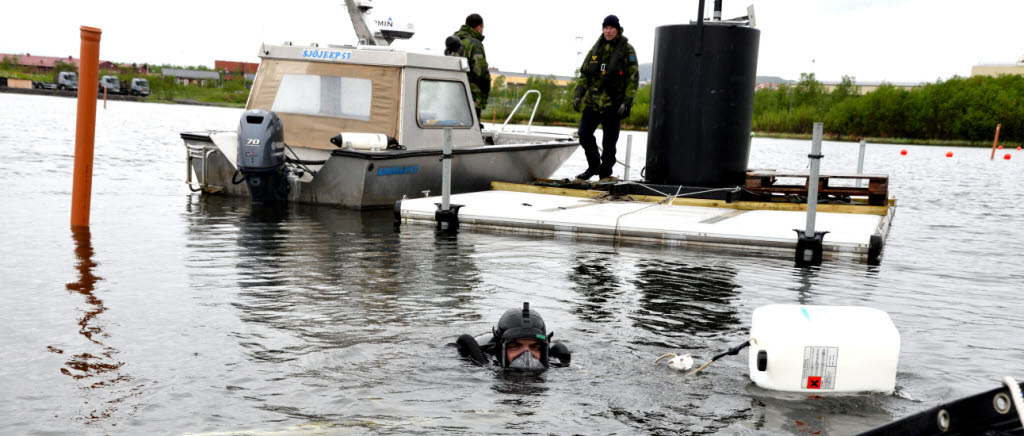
(823, 349)
(364, 141)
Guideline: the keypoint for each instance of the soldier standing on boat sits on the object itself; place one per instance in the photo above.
(608, 81)
(471, 35)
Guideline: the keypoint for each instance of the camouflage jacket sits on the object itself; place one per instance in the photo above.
(609, 75)
(479, 75)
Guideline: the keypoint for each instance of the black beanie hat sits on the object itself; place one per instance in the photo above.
(613, 21)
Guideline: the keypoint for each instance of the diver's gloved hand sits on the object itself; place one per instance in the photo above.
(561, 352)
(624, 108)
(576, 104)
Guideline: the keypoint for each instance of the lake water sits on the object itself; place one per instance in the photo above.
(178, 313)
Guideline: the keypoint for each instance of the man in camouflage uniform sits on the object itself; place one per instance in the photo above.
(471, 35)
(608, 80)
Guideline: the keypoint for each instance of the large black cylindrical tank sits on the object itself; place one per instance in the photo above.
(702, 102)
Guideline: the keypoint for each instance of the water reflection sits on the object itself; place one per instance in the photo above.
(682, 301)
(522, 391)
(812, 414)
(804, 277)
(97, 365)
(594, 279)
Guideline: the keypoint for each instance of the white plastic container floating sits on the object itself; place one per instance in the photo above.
(823, 349)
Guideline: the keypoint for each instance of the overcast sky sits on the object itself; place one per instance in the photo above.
(871, 40)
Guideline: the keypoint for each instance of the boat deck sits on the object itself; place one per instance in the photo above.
(758, 226)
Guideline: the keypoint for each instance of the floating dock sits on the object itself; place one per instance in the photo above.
(857, 230)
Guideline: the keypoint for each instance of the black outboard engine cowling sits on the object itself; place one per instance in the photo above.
(261, 156)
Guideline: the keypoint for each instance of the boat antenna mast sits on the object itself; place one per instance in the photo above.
(375, 32)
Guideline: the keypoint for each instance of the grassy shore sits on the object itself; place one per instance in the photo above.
(907, 141)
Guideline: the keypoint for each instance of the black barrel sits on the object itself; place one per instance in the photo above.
(702, 102)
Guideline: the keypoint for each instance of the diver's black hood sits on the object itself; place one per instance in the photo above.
(518, 324)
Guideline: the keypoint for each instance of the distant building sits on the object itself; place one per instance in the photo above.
(866, 87)
(998, 69)
(519, 79)
(770, 82)
(231, 68)
(45, 64)
(133, 68)
(192, 77)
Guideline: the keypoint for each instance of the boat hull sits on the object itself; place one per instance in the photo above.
(376, 179)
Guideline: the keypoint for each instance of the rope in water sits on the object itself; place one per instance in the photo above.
(730, 352)
(1015, 397)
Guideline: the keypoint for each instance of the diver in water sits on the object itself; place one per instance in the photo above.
(519, 342)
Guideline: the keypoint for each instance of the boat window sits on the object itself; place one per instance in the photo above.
(443, 103)
(329, 96)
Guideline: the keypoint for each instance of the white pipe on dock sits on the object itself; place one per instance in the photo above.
(860, 162)
(812, 181)
(629, 149)
(446, 170)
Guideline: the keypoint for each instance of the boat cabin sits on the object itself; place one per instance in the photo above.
(320, 92)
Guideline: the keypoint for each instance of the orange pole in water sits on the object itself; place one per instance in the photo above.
(104, 97)
(996, 142)
(85, 132)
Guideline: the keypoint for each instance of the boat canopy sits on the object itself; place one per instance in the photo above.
(318, 92)
(316, 100)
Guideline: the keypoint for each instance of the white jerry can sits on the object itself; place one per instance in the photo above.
(823, 349)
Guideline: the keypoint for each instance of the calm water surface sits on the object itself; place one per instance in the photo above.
(179, 313)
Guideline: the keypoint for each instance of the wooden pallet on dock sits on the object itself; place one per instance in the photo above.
(765, 182)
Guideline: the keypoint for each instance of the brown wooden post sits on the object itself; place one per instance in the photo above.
(996, 142)
(85, 131)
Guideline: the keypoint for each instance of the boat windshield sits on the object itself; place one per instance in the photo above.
(443, 103)
(329, 96)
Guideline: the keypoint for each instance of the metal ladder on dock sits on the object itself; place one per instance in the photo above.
(199, 152)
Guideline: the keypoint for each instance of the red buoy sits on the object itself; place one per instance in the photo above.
(903, 152)
(1018, 148)
(1006, 156)
(1000, 147)
(949, 154)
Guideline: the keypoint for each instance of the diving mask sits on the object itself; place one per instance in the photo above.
(526, 362)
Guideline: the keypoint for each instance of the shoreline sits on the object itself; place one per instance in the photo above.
(776, 135)
(830, 137)
(115, 97)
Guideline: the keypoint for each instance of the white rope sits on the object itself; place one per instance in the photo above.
(1015, 397)
(668, 200)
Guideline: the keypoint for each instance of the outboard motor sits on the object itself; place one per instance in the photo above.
(261, 156)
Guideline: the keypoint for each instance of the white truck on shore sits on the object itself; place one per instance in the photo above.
(111, 83)
(63, 80)
(139, 87)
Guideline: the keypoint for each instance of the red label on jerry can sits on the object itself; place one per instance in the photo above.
(813, 382)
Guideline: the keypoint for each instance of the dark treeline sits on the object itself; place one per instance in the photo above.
(555, 105)
(954, 110)
(957, 109)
